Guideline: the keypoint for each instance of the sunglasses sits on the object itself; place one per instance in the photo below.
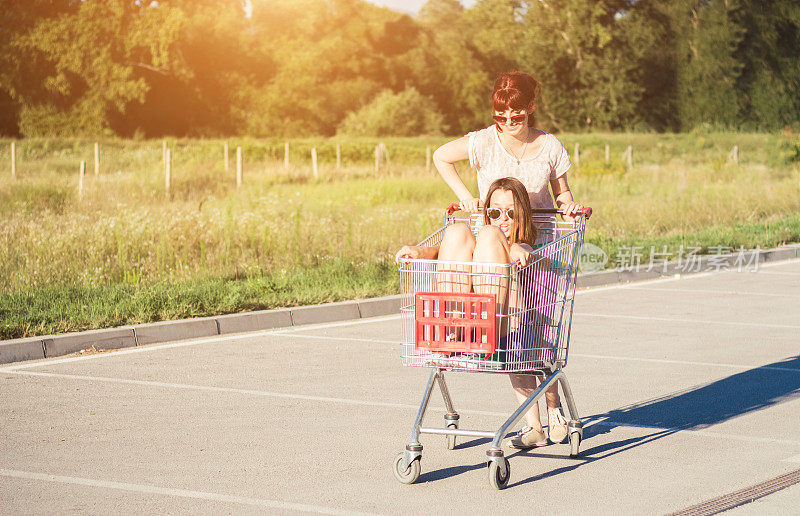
(512, 120)
(496, 213)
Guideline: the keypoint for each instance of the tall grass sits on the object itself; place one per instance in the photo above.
(128, 251)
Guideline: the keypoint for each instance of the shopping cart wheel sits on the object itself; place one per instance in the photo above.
(451, 439)
(496, 477)
(410, 474)
(574, 443)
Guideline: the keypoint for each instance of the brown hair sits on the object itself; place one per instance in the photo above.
(516, 91)
(523, 231)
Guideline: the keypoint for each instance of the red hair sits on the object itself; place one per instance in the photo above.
(517, 91)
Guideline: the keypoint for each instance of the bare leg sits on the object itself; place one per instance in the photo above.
(458, 244)
(492, 247)
(524, 385)
(553, 399)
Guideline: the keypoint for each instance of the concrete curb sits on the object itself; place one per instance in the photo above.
(49, 346)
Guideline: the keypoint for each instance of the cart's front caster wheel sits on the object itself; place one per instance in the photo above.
(574, 443)
(496, 477)
(408, 475)
(451, 439)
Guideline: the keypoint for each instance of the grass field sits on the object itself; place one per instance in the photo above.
(128, 251)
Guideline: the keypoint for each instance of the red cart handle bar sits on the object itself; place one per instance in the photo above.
(586, 211)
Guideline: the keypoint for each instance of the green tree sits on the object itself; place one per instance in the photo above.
(22, 73)
(707, 67)
(769, 83)
(329, 63)
(221, 56)
(85, 57)
(395, 114)
(653, 36)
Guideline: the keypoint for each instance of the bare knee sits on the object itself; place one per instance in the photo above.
(491, 245)
(459, 233)
(457, 243)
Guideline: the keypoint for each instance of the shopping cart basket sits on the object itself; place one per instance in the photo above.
(493, 318)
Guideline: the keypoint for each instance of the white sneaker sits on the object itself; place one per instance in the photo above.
(528, 438)
(556, 424)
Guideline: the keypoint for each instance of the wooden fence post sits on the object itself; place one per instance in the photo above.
(314, 162)
(377, 158)
(577, 154)
(608, 153)
(385, 155)
(628, 156)
(13, 160)
(167, 168)
(227, 164)
(286, 155)
(164, 154)
(96, 159)
(238, 167)
(80, 179)
(733, 155)
(427, 159)
(338, 155)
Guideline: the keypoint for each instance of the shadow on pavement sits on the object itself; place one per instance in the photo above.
(690, 409)
(703, 406)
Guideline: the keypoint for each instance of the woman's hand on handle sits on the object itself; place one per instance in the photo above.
(471, 204)
(572, 210)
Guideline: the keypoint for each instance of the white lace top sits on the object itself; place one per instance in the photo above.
(492, 161)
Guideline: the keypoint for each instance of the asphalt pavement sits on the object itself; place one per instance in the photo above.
(689, 389)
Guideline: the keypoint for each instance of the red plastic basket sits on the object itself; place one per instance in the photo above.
(451, 322)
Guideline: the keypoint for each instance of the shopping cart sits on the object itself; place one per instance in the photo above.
(492, 318)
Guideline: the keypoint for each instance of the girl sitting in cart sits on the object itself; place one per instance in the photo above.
(514, 147)
(507, 236)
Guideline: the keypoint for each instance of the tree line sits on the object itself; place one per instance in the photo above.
(141, 68)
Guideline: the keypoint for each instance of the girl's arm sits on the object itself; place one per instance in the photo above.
(443, 159)
(521, 253)
(564, 198)
(542, 262)
(417, 251)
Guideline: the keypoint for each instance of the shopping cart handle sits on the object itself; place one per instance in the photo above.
(586, 210)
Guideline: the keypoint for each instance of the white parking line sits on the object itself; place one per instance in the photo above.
(743, 367)
(211, 388)
(687, 362)
(710, 291)
(115, 353)
(699, 433)
(353, 322)
(691, 321)
(344, 339)
(249, 392)
(168, 491)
